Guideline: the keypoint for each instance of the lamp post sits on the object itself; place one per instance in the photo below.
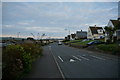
(18, 34)
(68, 32)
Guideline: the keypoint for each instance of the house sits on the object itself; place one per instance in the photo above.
(65, 38)
(81, 34)
(95, 32)
(116, 34)
(73, 36)
(68, 37)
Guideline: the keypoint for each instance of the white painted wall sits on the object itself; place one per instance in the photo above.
(110, 24)
(89, 34)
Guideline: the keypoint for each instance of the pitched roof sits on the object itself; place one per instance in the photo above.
(81, 31)
(94, 29)
(115, 22)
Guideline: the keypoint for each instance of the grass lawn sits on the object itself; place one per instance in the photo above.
(74, 41)
(82, 43)
(109, 47)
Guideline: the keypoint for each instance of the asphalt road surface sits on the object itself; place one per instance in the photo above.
(60, 61)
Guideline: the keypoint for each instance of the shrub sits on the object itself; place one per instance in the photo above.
(17, 59)
(12, 60)
(113, 48)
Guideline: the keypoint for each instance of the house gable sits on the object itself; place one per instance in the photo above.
(113, 23)
(89, 34)
(110, 24)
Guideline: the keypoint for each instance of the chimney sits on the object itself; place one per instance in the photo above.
(81, 30)
(95, 25)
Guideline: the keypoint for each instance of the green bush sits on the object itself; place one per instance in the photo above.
(113, 48)
(17, 59)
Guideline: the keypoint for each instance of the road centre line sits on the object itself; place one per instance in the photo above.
(97, 57)
(83, 57)
(77, 58)
(60, 58)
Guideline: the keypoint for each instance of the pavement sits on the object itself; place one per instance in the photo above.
(60, 61)
(0, 62)
(45, 67)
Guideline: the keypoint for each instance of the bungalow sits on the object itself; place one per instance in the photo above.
(65, 38)
(73, 36)
(68, 37)
(81, 35)
(95, 32)
(114, 24)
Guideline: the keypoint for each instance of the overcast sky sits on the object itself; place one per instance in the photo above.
(54, 19)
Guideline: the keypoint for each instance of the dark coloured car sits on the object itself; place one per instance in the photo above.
(95, 42)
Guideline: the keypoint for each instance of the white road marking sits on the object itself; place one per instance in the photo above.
(72, 60)
(83, 57)
(60, 58)
(77, 58)
(57, 64)
(97, 57)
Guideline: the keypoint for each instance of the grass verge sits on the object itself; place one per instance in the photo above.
(82, 43)
(113, 48)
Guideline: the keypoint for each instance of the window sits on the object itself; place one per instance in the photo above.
(100, 30)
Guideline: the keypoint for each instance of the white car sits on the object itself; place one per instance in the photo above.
(59, 43)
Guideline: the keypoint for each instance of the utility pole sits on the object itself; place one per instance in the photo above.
(69, 32)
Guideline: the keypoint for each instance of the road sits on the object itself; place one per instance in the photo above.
(60, 61)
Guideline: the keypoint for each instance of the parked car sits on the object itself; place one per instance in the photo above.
(66, 43)
(59, 43)
(85, 40)
(95, 42)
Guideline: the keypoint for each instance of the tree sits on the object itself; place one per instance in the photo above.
(30, 38)
(110, 31)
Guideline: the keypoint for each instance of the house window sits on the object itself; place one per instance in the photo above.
(100, 30)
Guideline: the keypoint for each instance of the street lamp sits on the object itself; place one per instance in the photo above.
(18, 34)
(38, 36)
(68, 32)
